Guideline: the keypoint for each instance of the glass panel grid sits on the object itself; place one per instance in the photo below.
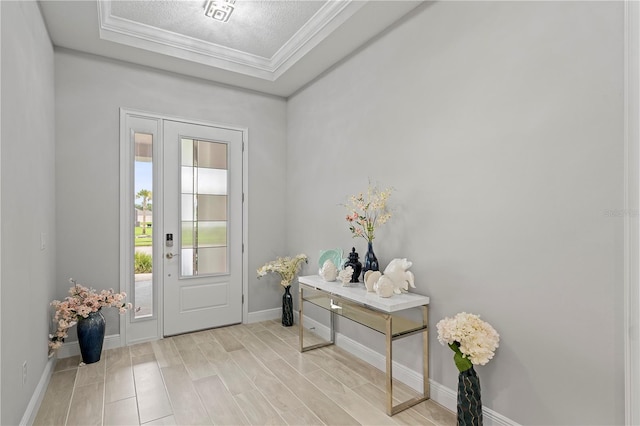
(204, 206)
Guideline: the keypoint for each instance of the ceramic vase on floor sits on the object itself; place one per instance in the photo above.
(469, 401)
(91, 337)
(287, 307)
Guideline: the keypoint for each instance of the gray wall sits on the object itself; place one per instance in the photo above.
(27, 192)
(500, 124)
(89, 92)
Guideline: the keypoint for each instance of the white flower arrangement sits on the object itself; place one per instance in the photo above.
(286, 267)
(473, 340)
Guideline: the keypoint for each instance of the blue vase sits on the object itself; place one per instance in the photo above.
(370, 260)
(91, 337)
(287, 307)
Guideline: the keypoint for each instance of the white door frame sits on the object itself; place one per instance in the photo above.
(194, 300)
(127, 334)
(631, 214)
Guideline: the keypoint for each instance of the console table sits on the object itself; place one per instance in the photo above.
(377, 313)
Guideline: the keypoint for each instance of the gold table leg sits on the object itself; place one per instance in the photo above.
(301, 327)
(425, 354)
(389, 342)
(391, 409)
(300, 317)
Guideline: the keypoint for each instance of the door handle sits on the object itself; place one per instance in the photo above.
(172, 255)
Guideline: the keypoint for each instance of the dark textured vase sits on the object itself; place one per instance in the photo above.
(287, 307)
(469, 401)
(370, 260)
(91, 337)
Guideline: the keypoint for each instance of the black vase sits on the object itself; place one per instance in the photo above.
(287, 307)
(469, 401)
(91, 337)
(355, 264)
(370, 260)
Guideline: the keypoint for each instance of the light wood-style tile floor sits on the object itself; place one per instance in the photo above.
(251, 374)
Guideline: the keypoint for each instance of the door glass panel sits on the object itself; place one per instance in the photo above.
(211, 260)
(188, 229)
(187, 180)
(187, 207)
(212, 207)
(187, 152)
(143, 229)
(211, 181)
(204, 182)
(187, 262)
(212, 234)
(212, 155)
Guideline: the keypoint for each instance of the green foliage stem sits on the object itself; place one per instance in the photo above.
(462, 363)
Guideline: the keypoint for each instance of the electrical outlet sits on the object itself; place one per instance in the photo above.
(24, 373)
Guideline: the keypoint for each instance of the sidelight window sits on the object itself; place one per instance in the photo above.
(143, 225)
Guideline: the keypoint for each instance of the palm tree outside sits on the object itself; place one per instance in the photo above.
(145, 195)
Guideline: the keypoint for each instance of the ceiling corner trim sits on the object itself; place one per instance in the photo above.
(320, 26)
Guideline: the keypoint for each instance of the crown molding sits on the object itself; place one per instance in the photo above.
(142, 36)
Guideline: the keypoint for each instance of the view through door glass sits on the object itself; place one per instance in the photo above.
(143, 228)
(202, 231)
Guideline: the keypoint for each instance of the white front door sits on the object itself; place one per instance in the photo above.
(202, 233)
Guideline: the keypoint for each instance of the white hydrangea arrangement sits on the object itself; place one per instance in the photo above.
(473, 340)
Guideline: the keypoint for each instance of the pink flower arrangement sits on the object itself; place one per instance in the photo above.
(81, 302)
(367, 211)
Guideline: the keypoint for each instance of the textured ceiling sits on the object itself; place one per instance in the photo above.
(257, 27)
(262, 39)
(272, 46)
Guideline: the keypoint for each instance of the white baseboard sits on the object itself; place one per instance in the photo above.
(266, 315)
(439, 393)
(31, 412)
(69, 349)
